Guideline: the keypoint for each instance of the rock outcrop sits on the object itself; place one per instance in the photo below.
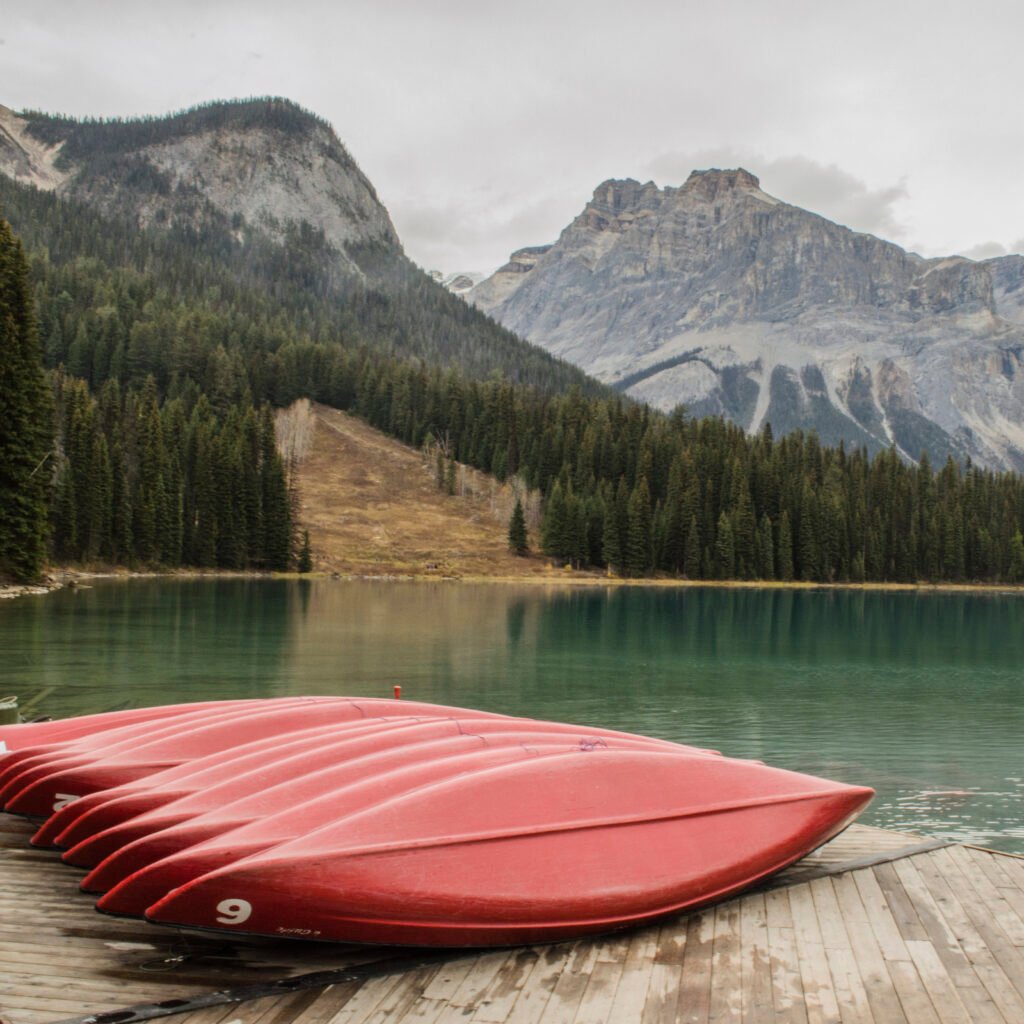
(721, 297)
(458, 283)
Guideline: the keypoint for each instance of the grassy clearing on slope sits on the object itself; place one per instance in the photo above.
(372, 507)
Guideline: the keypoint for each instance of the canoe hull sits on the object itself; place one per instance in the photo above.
(470, 866)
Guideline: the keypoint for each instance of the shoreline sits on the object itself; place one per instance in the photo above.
(65, 577)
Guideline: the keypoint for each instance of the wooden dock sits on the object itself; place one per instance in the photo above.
(877, 927)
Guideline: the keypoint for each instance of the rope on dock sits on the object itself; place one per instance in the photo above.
(245, 993)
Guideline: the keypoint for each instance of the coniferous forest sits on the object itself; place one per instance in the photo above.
(168, 347)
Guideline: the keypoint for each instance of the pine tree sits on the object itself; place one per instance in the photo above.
(150, 498)
(439, 469)
(639, 536)
(725, 549)
(305, 559)
(784, 569)
(26, 431)
(1015, 571)
(517, 539)
(554, 526)
(277, 515)
(616, 519)
(692, 566)
(766, 570)
(744, 527)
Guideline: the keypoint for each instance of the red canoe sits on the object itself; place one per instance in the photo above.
(49, 785)
(560, 845)
(48, 747)
(31, 734)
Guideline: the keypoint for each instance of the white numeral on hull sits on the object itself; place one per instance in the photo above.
(234, 911)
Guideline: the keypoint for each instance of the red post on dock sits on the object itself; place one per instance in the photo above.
(398, 693)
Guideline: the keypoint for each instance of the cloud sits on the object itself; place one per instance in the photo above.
(822, 188)
(468, 233)
(984, 251)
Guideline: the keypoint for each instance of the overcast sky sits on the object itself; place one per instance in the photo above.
(485, 126)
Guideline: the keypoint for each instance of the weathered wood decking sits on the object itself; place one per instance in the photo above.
(876, 927)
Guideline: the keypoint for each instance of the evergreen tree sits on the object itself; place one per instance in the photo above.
(1015, 572)
(277, 516)
(744, 529)
(616, 523)
(439, 469)
(555, 524)
(784, 569)
(691, 565)
(26, 433)
(639, 531)
(304, 562)
(766, 568)
(725, 549)
(517, 539)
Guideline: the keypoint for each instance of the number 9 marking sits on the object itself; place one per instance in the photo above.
(234, 911)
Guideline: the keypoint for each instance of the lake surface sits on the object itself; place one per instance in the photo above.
(918, 695)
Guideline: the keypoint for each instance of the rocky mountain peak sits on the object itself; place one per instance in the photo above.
(712, 184)
(264, 164)
(617, 195)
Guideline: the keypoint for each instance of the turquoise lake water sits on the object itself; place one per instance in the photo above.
(919, 695)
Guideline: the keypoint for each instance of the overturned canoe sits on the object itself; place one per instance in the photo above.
(561, 845)
(28, 734)
(43, 784)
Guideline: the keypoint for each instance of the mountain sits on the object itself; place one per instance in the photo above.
(254, 193)
(268, 164)
(723, 298)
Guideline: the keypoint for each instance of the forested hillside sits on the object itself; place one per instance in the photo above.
(168, 344)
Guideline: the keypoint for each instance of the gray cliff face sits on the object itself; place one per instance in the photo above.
(257, 175)
(723, 298)
(1008, 287)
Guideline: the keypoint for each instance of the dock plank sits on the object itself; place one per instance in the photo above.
(497, 999)
(755, 960)
(943, 993)
(820, 996)
(867, 953)
(726, 963)
(538, 985)
(788, 1004)
(854, 1007)
(694, 1003)
(631, 992)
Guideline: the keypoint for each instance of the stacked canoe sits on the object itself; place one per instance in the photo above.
(386, 821)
